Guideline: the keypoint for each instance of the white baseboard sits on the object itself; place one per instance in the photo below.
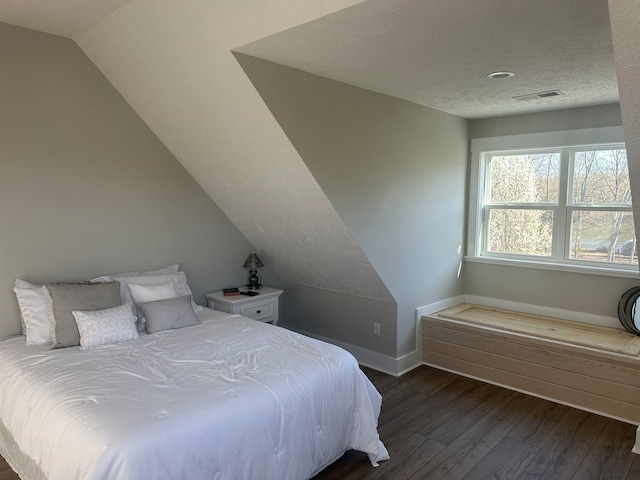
(378, 361)
(636, 447)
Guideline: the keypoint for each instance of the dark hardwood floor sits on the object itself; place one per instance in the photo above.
(441, 426)
(5, 471)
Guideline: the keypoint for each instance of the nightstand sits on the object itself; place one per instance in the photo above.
(262, 307)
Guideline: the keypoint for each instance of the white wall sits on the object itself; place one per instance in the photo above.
(395, 173)
(86, 188)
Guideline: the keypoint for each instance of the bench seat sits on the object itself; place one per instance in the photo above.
(586, 366)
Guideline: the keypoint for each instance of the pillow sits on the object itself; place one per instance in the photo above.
(151, 293)
(142, 273)
(63, 298)
(33, 312)
(181, 286)
(103, 327)
(168, 314)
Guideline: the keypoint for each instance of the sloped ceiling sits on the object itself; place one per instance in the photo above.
(172, 62)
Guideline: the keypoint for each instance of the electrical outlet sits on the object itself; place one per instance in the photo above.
(376, 329)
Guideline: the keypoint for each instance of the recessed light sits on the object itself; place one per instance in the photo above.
(498, 75)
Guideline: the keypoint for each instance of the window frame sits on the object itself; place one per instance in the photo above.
(567, 143)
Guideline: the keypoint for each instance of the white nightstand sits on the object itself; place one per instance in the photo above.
(263, 307)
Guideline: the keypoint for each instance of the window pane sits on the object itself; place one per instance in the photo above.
(603, 237)
(528, 178)
(601, 177)
(520, 231)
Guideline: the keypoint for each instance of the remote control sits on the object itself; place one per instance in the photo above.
(250, 294)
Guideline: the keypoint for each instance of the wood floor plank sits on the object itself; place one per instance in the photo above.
(506, 461)
(634, 471)
(409, 380)
(474, 444)
(537, 427)
(5, 471)
(463, 414)
(411, 456)
(399, 419)
(569, 445)
(607, 458)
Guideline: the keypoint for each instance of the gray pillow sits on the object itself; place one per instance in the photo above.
(63, 298)
(168, 314)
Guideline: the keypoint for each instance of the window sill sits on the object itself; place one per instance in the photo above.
(581, 269)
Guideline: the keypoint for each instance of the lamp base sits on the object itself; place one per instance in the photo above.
(254, 279)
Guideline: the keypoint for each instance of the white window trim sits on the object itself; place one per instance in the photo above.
(562, 139)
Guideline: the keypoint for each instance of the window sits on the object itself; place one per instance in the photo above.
(566, 205)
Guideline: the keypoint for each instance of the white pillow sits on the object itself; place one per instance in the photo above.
(151, 293)
(142, 273)
(33, 312)
(104, 327)
(181, 286)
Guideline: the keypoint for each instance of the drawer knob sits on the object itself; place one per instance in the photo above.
(258, 311)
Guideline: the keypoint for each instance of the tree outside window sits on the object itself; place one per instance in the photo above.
(561, 205)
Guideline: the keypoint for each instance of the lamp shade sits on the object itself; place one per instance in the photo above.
(253, 261)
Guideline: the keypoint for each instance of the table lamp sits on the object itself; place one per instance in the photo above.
(253, 263)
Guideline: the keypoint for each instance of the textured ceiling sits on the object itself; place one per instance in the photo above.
(435, 53)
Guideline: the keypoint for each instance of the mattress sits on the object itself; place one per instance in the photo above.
(232, 398)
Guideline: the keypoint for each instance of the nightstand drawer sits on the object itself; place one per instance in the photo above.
(261, 311)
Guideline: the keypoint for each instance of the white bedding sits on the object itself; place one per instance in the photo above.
(229, 399)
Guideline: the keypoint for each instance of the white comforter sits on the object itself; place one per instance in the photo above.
(230, 399)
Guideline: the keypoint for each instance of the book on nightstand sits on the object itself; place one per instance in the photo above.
(230, 292)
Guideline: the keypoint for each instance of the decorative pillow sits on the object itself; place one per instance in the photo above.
(150, 293)
(103, 327)
(33, 312)
(160, 271)
(63, 298)
(168, 314)
(181, 286)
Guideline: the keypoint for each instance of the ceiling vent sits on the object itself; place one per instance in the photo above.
(539, 95)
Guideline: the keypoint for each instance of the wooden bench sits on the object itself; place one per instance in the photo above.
(585, 366)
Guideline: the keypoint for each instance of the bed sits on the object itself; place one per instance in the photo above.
(228, 398)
